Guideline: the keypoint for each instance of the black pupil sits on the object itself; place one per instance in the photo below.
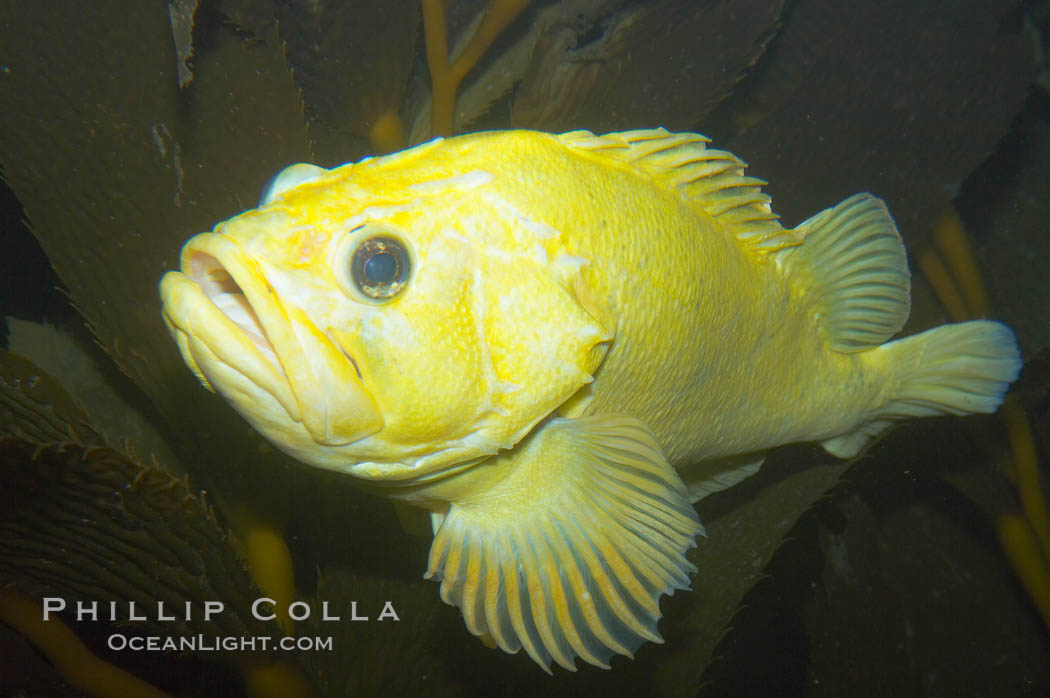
(381, 268)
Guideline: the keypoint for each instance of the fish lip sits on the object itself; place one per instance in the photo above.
(229, 328)
(227, 295)
(253, 316)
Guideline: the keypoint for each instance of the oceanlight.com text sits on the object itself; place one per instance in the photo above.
(119, 642)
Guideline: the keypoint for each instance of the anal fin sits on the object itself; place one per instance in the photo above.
(571, 542)
(710, 476)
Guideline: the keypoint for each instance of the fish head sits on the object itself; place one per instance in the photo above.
(385, 318)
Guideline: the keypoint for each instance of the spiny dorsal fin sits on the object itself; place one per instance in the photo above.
(853, 259)
(713, 179)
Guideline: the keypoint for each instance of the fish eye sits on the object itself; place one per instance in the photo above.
(380, 267)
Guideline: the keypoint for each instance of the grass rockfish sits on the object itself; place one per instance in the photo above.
(557, 343)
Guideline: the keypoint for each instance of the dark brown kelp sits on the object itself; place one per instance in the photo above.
(115, 167)
(673, 60)
(901, 99)
(84, 521)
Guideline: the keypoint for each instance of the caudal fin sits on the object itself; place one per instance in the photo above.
(951, 370)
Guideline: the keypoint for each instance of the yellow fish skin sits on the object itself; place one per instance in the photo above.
(555, 344)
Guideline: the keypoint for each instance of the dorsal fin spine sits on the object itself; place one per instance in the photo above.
(713, 180)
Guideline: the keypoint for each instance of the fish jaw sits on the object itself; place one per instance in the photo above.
(237, 335)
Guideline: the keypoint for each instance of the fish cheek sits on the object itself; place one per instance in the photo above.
(427, 369)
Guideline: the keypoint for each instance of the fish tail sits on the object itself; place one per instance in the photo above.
(959, 369)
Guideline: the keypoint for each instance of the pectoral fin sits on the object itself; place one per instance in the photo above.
(568, 542)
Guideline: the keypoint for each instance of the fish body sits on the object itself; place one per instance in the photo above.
(555, 344)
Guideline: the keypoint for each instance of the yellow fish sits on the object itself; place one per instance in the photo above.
(555, 344)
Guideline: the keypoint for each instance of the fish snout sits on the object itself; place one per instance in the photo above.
(230, 317)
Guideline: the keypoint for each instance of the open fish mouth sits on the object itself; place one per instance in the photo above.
(221, 289)
(237, 335)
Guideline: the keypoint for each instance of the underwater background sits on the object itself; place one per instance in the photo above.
(922, 568)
